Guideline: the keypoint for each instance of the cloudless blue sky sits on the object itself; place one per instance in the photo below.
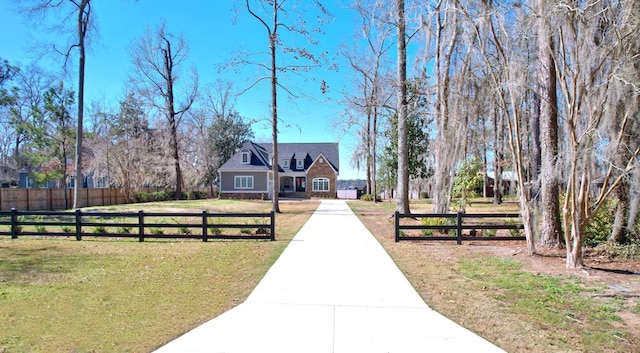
(215, 30)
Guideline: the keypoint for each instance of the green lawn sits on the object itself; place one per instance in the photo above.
(107, 295)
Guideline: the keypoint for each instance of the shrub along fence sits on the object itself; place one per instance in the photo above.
(140, 225)
(453, 226)
(54, 199)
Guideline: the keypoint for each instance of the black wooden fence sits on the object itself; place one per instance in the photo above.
(458, 222)
(138, 225)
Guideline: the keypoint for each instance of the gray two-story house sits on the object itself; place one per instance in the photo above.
(304, 170)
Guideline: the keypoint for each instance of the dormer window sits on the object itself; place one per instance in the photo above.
(299, 163)
(246, 157)
(285, 163)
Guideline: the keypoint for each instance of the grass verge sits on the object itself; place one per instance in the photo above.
(497, 298)
(124, 296)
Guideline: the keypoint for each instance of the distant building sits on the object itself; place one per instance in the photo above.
(304, 170)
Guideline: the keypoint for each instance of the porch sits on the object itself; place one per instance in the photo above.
(293, 186)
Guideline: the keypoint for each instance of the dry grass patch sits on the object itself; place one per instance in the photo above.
(125, 296)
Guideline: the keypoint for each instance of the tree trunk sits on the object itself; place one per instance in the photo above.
(402, 202)
(173, 130)
(373, 154)
(274, 110)
(619, 231)
(369, 167)
(84, 8)
(444, 158)
(498, 131)
(549, 184)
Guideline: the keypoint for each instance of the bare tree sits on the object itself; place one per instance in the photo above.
(500, 48)
(446, 34)
(596, 54)
(273, 15)
(158, 57)
(367, 60)
(81, 10)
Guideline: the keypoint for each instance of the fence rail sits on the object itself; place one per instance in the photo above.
(140, 225)
(456, 222)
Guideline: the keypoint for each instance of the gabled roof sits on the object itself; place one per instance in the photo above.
(309, 152)
(259, 159)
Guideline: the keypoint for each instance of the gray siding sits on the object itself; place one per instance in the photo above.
(227, 183)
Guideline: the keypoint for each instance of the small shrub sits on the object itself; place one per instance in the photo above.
(182, 230)
(142, 196)
(213, 229)
(40, 228)
(199, 195)
(489, 232)
(66, 229)
(124, 230)
(601, 225)
(101, 228)
(160, 196)
(156, 231)
(369, 198)
(512, 232)
(262, 221)
(245, 231)
(437, 222)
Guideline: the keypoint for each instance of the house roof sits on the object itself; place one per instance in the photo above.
(260, 152)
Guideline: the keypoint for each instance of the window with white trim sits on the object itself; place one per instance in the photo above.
(243, 181)
(246, 157)
(300, 163)
(285, 163)
(320, 184)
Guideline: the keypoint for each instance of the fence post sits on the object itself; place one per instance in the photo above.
(141, 226)
(78, 225)
(397, 225)
(14, 223)
(273, 225)
(205, 224)
(459, 228)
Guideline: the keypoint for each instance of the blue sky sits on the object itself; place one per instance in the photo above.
(215, 31)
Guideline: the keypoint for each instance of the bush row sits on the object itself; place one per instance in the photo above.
(144, 196)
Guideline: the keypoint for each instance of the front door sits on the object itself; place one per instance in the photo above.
(301, 184)
(286, 184)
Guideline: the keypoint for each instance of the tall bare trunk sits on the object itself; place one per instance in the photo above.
(171, 112)
(374, 189)
(402, 203)
(549, 184)
(274, 111)
(84, 9)
(498, 158)
(443, 154)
